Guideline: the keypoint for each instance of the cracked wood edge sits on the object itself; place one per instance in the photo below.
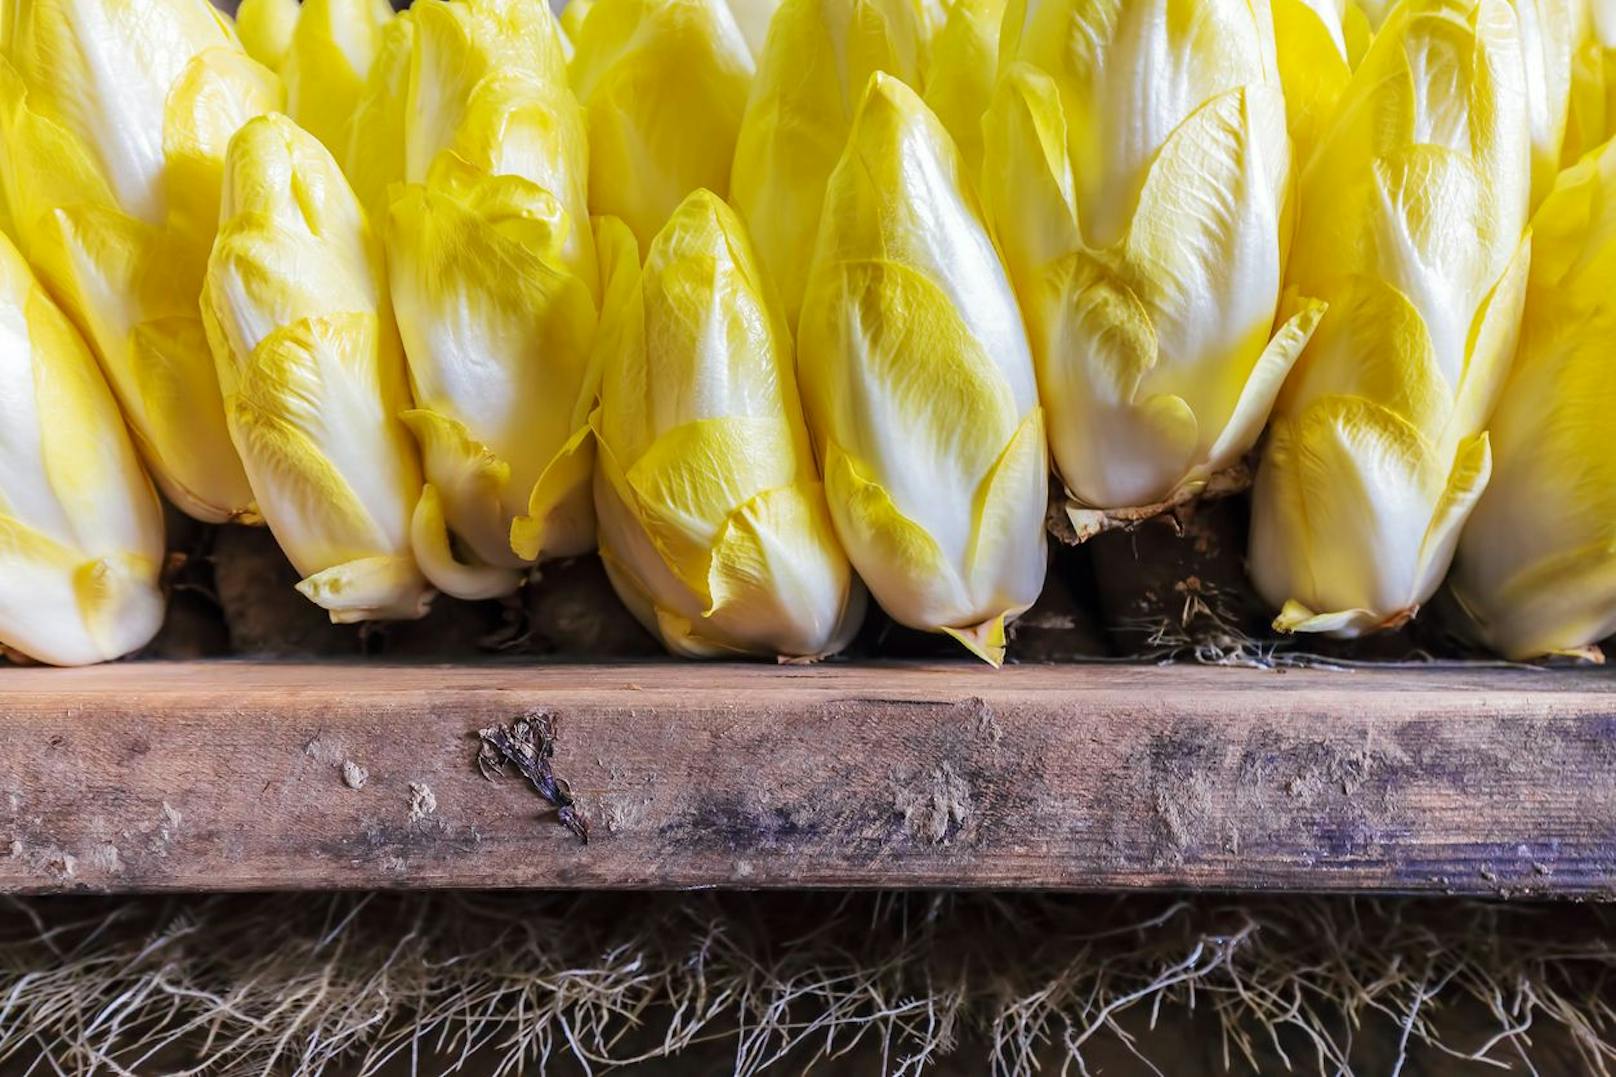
(234, 775)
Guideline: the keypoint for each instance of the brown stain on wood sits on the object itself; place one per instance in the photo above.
(227, 775)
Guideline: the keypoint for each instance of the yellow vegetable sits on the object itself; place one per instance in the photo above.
(265, 28)
(713, 523)
(962, 68)
(493, 274)
(1592, 115)
(1412, 218)
(115, 115)
(81, 533)
(919, 386)
(313, 377)
(1537, 561)
(1137, 174)
(327, 62)
(1319, 43)
(663, 84)
(819, 57)
(573, 16)
(374, 158)
(1548, 38)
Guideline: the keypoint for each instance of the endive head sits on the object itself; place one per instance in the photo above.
(663, 84)
(819, 56)
(1537, 561)
(115, 116)
(918, 383)
(1424, 179)
(81, 534)
(1136, 175)
(327, 63)
(495, 280)
(1411, 228)
(313, 377)
(713, 522)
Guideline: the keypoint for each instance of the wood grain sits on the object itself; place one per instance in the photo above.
(230, 775)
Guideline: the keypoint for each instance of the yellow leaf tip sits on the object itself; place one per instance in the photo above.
(986, 640)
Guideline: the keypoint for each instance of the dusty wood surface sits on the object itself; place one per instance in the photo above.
(230, 775)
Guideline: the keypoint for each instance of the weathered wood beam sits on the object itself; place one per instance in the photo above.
(239, 775)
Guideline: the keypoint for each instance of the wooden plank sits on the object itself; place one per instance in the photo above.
(230, 775)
